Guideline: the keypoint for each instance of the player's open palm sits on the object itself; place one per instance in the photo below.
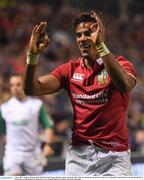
(39, 39)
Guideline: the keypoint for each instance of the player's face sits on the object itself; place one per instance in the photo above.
(84, 40)
(16, 86)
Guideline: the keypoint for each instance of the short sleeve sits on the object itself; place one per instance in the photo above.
(62, 74)
(45, 119)
(128, 66)
(2, 125)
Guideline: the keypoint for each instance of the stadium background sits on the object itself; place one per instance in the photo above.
(124, 21)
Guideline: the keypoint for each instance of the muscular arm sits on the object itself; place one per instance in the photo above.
(123, 81)
(119, 76)
(34, 85)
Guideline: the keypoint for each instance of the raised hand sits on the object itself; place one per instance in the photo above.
(39, 39)
(97, 29)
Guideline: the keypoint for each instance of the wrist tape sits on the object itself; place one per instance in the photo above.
(32, 59)
(102, 49)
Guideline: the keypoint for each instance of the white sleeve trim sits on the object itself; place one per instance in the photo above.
(132, 76)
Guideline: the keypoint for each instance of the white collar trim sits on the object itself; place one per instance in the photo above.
(99, 61)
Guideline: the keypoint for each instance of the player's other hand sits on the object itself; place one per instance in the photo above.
(47, 150)
(97, 29)
(39, 38)
(41, 160)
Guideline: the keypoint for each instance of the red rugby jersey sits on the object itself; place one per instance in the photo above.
(99, 108)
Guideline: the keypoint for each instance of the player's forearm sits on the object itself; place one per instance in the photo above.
(119, 76)
(49, 135)
(50, 138)
(35, 85)
(38, 41)
(31, 84)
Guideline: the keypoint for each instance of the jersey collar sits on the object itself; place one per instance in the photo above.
(98, 61)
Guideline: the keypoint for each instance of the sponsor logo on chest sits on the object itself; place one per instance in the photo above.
(78, 77)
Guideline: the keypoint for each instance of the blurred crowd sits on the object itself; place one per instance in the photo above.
(124, 36)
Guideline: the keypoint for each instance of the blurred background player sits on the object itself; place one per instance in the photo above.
(99, 86)
(20, 119)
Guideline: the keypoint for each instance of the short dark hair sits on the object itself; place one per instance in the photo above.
(16, 75)
(83, 17)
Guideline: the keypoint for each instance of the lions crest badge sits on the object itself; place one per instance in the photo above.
(102, 77)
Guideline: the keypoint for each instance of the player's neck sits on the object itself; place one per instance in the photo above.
(89, 62)
(21, 97)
